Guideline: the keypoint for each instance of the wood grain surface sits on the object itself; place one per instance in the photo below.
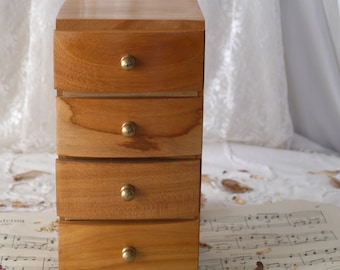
(97, 245)
(90, 61)
(164, 189)
(166, 127)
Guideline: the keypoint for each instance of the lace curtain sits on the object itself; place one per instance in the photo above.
(245, 85)
(245, 89)
(26, 78)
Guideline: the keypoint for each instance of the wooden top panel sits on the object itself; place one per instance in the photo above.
(149, 15)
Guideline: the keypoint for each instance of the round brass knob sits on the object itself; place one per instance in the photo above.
(127, 62)
(128, 129)
(128, 254)
(127, 192)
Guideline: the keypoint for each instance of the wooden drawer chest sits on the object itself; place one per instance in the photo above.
(129, 81)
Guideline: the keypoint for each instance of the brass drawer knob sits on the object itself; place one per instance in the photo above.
(127, 192)
(129, 129)
(128, 254)
(127, 62)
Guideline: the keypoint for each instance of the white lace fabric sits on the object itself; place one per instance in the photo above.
(245, 83)
(26, 78)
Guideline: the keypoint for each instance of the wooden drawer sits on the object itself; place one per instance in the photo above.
(166, 127)
(162, 189)
(98, 245)
(90, 61)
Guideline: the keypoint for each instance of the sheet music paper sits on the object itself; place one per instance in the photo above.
(28, 241)
(288, 235)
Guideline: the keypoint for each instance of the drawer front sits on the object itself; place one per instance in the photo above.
(165, 127)
(162, 190)
(90, 61)
(98, 245)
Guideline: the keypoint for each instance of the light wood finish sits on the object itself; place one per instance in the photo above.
(98, 245)
(166, 127)
(168, 189)
(127, 15)
(165, 62)
(159, 164)
(75, 94)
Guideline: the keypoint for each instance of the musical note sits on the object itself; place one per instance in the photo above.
(260, 241)
(23, 246)
(306, 218)
(262, 220)
(25, 242)
(297, 237)
(277, 261)
(28, 262)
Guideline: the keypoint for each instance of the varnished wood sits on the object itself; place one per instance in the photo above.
(165, 62)
(75, 94)
(163, 96)
(87, 15)
(97, 245)
(163, 189)
(166, 127)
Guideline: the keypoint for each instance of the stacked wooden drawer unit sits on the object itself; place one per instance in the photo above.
(129, 81)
